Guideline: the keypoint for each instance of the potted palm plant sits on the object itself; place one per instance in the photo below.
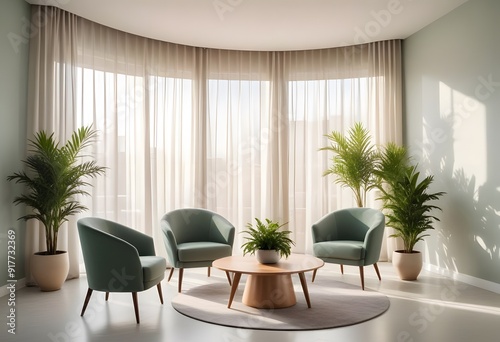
(267, 241)
(408, 211)
(54, 176)
(354, 161)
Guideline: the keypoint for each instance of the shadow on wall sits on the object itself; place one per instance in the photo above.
(469, 233)
(468, 236)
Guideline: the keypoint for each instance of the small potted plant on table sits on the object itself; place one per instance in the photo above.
(267, 241)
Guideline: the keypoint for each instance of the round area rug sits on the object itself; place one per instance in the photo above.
(333, 304)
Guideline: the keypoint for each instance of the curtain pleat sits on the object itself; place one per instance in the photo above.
(237, 132)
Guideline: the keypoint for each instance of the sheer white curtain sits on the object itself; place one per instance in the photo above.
(236, 132)
(328, 90)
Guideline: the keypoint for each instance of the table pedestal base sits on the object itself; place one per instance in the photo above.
(269, 291)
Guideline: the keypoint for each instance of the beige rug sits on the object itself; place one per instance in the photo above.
(334, 304)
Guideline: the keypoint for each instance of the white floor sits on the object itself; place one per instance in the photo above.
(433, 308)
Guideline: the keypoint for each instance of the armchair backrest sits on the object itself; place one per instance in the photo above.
(142, 242)
(353, 223)
(347, 224)
(195, 224)
(112, 263)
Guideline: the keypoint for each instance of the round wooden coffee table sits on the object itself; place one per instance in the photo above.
(269, 285)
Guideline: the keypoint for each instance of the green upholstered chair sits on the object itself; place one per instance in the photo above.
(119, 259)
(350, 237)
(196, 237)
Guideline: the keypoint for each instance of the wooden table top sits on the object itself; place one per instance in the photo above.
(295, 263)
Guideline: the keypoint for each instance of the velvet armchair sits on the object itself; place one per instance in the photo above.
(196, 237)
(350, 237)
(119, 259)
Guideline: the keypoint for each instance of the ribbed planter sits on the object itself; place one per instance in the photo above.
(267, 256)
(50, 271)
(408, 265)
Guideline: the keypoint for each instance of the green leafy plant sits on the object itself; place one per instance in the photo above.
(354, 161)
(406, 201)
(392, 164)
(267, 236)
(53, 178)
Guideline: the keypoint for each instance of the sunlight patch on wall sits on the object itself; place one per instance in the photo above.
(479, 240)
(466, 118)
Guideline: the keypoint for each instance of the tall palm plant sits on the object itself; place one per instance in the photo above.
(53, 178)
(354, 161)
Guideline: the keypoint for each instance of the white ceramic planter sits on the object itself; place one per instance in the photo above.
(50, 271)
(267, 256)
(408, 265)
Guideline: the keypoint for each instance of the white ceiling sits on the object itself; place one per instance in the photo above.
(263, 24)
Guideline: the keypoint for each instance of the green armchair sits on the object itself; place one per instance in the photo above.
(350, 237)
(119, 259)
(195, 238)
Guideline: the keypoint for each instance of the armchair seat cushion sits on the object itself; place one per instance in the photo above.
(340, 249)
(202, 251)
(153, 267)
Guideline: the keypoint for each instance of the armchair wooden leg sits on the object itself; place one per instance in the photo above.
(314, 275)
(159, 292)
(362, 275)
(107, 296)
(181, 273)
(377, 270)
(136, 307)
(342, 269)
(228, 277)
(170, 274)
(86, 302)
(208, 272)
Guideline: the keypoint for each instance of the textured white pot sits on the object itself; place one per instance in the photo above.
(267, 256)
(50, 271)
(408, 265)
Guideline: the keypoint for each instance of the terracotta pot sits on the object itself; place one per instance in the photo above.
(408, 265)
(267, 256)
(50, 271)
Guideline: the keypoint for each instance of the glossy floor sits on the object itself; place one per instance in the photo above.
(434, 308)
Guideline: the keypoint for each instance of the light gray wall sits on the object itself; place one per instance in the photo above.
(14, 35)
(452, 126)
